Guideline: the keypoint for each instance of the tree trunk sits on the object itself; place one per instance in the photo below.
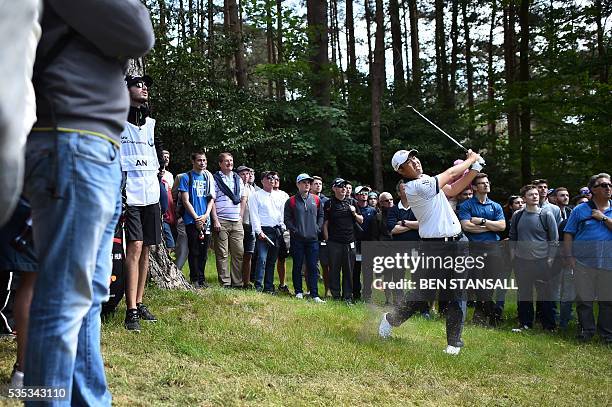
(454, 53)
(510, 77)
(229, 73)
(211, 40)
(191, 22)
(441, 63)
(239, 58)
(491, 75)
(396, 44)
(525, 116)
(337, 37)
(280, 84)
(270, 46)
(414, 45)
(163, 271)
(468, 68)
(601, 46)
(350, 41)
(406, 42)
(318, 38)
(163, 25)
(182, 21)
(377, 74)
(368, 19)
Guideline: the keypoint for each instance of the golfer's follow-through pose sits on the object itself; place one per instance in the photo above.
(427, 197)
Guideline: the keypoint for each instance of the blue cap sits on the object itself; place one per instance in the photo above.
(303, 177)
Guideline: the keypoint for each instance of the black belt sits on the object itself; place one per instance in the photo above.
(444, 239)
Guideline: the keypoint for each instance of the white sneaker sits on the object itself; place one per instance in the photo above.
(299, 296)
(520, 329)
(17, 380)
(452, 350)
(318, 300)
(384, 329)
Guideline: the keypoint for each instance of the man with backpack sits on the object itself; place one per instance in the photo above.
(588, 247)
(304, 220)
(197, 191)
(534, 235)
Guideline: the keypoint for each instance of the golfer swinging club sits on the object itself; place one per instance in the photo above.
(427, 197)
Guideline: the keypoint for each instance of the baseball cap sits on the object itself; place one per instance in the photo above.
(243, 168)
(362, 189)
(303, 177)
(339, 182)
(584, 191)
(132, 80)
(401, 156)
(372, 195)
(551, 191)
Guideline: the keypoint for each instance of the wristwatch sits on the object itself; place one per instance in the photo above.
(483, 221)
(403, 223)
(604, 219)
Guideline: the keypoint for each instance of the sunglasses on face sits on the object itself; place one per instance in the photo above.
(272, 178)
(603, 185)
(140, 85)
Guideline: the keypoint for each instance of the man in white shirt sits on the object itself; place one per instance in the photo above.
(281, 198)
(167, 175)
(266, 215)
(427, 197)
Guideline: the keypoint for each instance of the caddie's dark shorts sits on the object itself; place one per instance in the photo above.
(143, 223)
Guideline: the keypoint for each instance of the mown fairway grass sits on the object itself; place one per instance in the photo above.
(228, 347)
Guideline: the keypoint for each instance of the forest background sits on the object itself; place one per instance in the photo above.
(324, 86)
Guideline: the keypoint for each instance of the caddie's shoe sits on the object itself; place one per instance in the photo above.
(131, 320)
(145, 314)
(318, 300)
(452, 350)
(384, 329)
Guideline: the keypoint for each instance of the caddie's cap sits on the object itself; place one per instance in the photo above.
(132, 80)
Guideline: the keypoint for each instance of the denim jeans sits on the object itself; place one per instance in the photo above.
(308, 251)
(532, 274)
(266, 259)
(73, 183)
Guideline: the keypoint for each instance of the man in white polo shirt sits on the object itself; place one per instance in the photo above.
(427, 197)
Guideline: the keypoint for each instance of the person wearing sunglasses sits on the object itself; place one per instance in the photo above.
(587, 246)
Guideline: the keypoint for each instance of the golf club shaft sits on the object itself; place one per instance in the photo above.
(443, 132)
(439, 129)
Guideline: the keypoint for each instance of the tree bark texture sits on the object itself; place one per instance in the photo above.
(441, 63)
(236, 33)
(414, 45)
(454, 53)
(378, 82)
(163, 271)
(396, 44)
(319, 61)
(491, 74)
(469, 68)
(350, 48)
(525, 116)
(509, 18)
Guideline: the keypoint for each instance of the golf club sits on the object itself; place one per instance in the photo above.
(481, 161)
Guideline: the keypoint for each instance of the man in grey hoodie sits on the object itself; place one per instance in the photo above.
(304, 220)
(73, 179)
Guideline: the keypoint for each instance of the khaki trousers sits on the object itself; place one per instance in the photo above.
(229, 240)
